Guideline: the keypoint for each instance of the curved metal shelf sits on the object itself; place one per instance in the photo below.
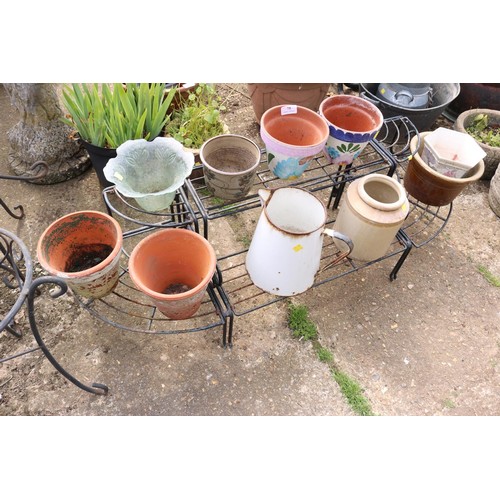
(115, 310)
(135, 220)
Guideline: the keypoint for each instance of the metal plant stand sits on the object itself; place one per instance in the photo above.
(16, 265)
(231, 293)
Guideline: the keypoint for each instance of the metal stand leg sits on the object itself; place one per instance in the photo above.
(401, 236)
(99, 389)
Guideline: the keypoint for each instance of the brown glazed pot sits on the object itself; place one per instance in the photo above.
(267, 95)
(430, 187)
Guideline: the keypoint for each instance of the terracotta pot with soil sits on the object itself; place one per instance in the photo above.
(430, 187)
(466, 119)
(83, 249)
(229, 165)
(173, 267)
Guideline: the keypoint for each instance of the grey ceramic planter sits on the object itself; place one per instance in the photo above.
(492, 157)
(229, 164)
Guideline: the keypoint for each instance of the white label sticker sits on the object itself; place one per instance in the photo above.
(291, 109)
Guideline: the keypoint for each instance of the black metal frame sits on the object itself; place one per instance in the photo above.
(231, 292)
(40, 170)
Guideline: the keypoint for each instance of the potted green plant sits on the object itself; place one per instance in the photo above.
(484, 126)
(198, 118)
(105, 116)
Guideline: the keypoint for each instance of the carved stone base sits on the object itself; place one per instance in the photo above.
(40, 135)
(51, 143)
(58, 172)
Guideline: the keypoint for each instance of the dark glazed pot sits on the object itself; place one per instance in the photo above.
(474, 95)
(99, 157)
(430, 187)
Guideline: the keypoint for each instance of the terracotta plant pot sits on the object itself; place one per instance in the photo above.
(267, 95)
(229, 165)
(293, 135)
(465, 120)
(353, 122)
(173, 268)
(83, 249)
(430, 187)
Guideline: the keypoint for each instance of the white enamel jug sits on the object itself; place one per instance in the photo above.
(285, 252)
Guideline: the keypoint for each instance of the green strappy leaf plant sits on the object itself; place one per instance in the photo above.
(112, 114)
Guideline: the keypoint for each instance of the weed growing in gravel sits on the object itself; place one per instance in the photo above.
(324, 355)
(353, 393)
(303, 328)
(490, 277)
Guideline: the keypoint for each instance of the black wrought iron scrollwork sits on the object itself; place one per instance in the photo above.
(40, 169)
(62, 288)
(17, 267)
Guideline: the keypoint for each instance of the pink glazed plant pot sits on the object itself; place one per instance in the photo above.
(353, 122)
(292, 135)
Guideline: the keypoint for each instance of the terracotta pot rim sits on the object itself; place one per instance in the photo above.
(224, 172)
(311, 117)
(163, 296)
(91, 270)
(433, 173)
(365, 104)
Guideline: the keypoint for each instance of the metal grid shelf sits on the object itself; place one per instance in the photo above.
(115, 309)
(319, 176)
(135, 220)
(243, 297)
(231, 292)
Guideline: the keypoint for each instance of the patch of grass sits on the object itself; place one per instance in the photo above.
(353, 393)
(303, 328)
(490, 277)
(300, 324)
(448, 403)
(245, 240)
(324, 355)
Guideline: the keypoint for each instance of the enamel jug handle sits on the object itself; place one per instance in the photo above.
(345, 240)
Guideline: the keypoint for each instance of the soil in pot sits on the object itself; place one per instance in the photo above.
(87, 256)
